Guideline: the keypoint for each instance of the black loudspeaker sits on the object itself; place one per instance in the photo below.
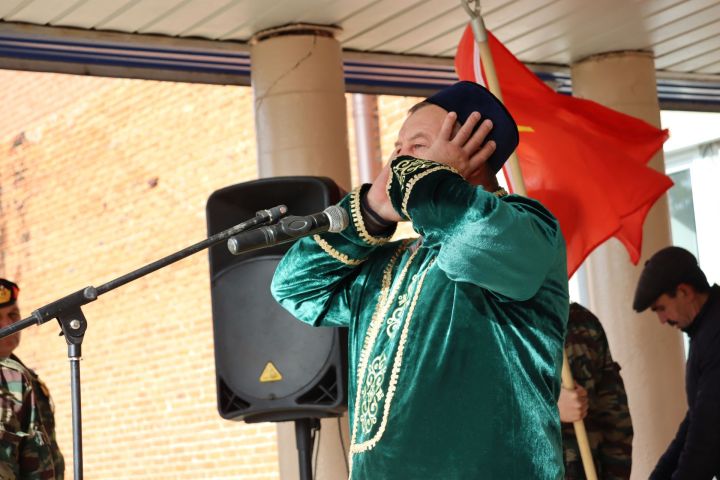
(269, 366)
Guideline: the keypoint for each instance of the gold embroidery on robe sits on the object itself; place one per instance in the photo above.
(396, 364)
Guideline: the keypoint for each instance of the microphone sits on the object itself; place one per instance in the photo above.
(332, 219)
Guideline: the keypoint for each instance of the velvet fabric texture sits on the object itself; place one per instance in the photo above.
(456, 337)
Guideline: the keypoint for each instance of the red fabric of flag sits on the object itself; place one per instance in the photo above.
(586, 163)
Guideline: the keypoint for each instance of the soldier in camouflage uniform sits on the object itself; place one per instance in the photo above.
(28, 450)
(607, 422)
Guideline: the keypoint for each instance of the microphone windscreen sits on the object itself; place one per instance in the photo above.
(338, 218)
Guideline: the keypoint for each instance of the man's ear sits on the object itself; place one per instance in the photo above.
(687, 292)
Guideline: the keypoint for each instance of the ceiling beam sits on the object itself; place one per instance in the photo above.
(155, 57)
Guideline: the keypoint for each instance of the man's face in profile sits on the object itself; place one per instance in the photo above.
(419, 131)
(675, 310)
(8, 316)
(424, 126)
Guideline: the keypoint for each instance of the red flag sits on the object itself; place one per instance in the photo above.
(586, 163)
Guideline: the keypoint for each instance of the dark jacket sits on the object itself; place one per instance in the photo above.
(694, 453)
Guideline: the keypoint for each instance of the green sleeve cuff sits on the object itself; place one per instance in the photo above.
(354, 244)
(406, 172)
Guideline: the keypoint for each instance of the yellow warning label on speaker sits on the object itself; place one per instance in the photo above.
(270, 374)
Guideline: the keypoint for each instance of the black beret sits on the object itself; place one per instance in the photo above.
(665, 270)
(8, 293)
(465, 97)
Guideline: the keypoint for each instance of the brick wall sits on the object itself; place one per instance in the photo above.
(99, 177)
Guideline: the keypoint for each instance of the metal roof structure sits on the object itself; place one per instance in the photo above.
(390, 46)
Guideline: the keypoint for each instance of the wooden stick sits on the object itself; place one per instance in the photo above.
(516, 179)
(579, 426)
(518, 186)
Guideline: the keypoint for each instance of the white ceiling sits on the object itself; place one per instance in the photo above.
(683, 34)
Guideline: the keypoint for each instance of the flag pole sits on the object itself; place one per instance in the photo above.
(478, 26)
(518, 186)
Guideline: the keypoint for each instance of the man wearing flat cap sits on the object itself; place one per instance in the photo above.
(28, 449)
(674, 287)
(455, 337)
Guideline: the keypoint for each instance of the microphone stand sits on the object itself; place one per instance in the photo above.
(305, 431)
(73, 323)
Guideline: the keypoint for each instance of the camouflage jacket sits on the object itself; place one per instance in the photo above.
(608, 422)
(28, 449)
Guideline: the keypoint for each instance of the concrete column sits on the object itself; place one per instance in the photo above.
(651, 355)
(301, 125)
(300, 115)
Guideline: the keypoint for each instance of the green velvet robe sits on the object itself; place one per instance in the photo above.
(455, 338)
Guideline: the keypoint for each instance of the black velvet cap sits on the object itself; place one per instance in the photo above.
(8, 293)
(465, 97)
(665, 270)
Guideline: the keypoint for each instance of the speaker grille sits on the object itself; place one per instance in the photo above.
(254, 335)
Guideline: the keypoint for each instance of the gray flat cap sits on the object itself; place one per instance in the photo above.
(665, 270)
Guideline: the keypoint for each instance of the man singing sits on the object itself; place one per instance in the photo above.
(456, 337)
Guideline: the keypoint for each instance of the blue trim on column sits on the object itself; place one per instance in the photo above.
(360, 75)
